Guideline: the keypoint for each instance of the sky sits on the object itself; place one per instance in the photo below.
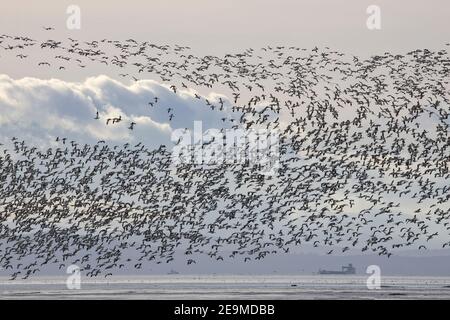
(215, 26)
(208, 27)
(211, 27)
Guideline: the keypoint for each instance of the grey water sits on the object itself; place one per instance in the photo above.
(202, 287)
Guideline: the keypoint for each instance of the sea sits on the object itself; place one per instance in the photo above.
(204, 287)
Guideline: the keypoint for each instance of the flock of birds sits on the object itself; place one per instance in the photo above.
(364, 162)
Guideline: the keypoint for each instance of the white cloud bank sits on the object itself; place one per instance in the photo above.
(38, 110)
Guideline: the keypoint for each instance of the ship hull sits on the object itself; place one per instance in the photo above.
(335, 272)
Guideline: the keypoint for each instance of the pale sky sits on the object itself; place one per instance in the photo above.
(216, 26)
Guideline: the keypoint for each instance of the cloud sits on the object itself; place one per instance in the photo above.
(39, 110)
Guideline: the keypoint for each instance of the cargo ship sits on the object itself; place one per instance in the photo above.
(173, 272)
(344, 270)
